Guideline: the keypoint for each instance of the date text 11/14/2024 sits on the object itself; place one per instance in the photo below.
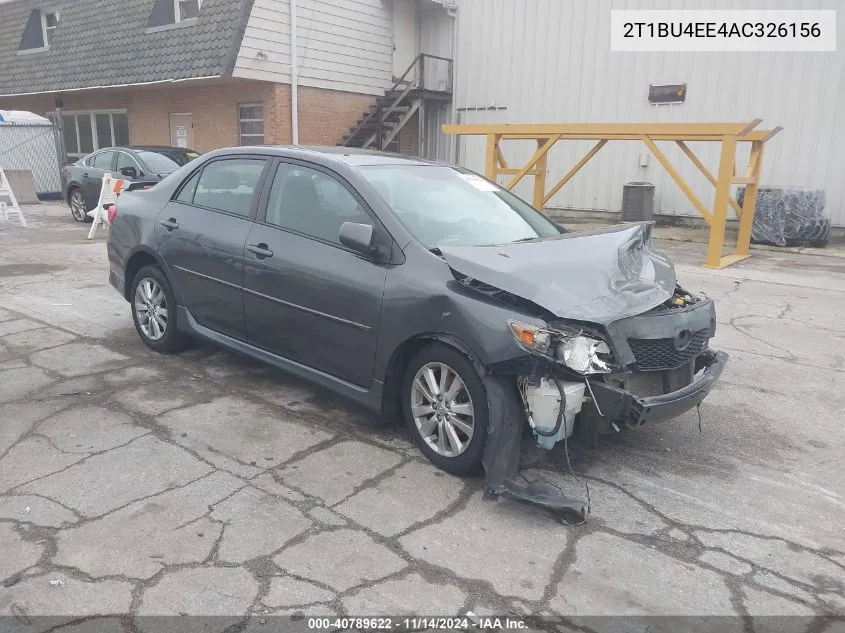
(466, 623)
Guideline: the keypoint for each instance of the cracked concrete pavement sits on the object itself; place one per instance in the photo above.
(207, 484)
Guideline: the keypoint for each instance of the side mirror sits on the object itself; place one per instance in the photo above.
(129, 172)
(359, 237)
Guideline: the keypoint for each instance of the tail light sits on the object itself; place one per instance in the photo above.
(112, 212)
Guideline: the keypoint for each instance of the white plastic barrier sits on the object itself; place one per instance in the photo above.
(109, 192)
(7, 210)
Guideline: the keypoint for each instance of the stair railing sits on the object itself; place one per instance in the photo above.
(382, 113)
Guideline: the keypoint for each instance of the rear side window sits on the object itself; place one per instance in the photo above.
(125, 160)
(103, 160)
(186, 194)
(226, 185)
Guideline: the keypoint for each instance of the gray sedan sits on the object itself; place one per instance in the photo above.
(418, 289)
(82, 180)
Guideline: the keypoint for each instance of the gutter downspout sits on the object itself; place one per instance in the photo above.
(454, 139)
(294, 79)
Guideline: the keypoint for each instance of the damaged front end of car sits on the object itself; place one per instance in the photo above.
(630, 348)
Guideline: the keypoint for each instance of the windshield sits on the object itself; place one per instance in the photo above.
(448, 206)
(165, 161)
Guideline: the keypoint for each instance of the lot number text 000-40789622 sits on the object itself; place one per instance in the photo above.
(731, 31)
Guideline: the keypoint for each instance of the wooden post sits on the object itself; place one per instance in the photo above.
(749, 204)
(727, 134)
(720, 205)
(492, 151)
(379, 129)
(540, 176)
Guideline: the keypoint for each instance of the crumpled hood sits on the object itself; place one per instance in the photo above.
(599, 276)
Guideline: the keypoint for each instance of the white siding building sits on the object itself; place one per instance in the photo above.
(341, 44)
(543, 61)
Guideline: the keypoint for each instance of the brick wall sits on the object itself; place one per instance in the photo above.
(324, 115)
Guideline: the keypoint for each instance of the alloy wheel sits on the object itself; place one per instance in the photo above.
(77, 205)
(442, 409)
(151, 309)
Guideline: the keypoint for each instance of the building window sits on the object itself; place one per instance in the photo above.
(167, 14)
(49, 23)
(86, 132)
(251, 123)
(35, 36)
(186, 9)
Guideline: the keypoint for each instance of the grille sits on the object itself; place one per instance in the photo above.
(660, 353)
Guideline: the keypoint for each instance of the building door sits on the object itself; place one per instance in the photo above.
(182, 129)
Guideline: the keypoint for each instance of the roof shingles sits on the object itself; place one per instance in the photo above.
(106, 43)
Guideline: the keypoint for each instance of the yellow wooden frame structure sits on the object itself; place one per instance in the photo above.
(728, 134)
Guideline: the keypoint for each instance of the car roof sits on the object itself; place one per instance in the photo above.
(351, 156)
(148, 148)
(158, 148)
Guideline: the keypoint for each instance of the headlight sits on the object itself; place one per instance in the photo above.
(581, 353)
(533, 338)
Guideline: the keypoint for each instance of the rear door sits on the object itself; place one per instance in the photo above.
(201, 236)
(96, 166)
(307, 297)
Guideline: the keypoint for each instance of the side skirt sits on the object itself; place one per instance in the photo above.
(369, 398)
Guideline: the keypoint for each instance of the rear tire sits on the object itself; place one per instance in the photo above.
(78, 208)
(445, 407)
(154, 311)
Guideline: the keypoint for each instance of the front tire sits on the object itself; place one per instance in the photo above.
(78, 208)
(154, 311)
(445, 407)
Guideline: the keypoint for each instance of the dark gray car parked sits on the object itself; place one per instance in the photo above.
(418, 287)
(82, 180)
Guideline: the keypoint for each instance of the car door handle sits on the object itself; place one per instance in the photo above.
(259, 250)
(85, 175)
(170, 224)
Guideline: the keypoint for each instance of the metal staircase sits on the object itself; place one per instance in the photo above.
(420, 83)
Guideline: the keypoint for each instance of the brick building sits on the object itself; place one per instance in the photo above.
(214, 73)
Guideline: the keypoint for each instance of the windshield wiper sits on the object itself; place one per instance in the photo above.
(526, 239)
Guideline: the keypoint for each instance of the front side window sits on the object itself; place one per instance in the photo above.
(443, 206)
(229, 185)
(251, 124)
(312, 203)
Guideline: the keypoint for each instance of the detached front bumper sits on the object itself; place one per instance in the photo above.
(619, 406)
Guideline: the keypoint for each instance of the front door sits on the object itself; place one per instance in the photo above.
(182, 129)
(306, 297)
(201, 235)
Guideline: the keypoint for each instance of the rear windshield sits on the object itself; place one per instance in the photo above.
(165, 161)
